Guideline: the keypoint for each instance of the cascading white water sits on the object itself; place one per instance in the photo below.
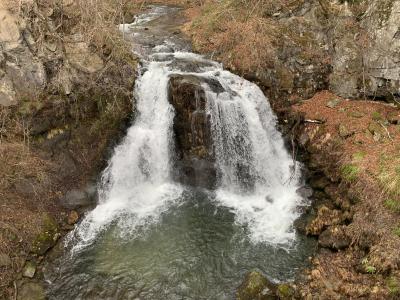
(136, 185)
(259, 180)
(256, 171)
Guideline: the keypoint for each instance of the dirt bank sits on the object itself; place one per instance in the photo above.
(352, 151)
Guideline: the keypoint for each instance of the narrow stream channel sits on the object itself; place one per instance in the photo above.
(152, 237)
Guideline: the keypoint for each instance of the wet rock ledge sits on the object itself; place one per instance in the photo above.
(193, 143)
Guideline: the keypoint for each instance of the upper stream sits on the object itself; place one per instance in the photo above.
(153, 236)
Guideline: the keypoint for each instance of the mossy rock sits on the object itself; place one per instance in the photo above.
(31, 291)
(374, 128)
(356, 114)
(29, 269)
(285, 291)
(47, 237)
(344, 132)
(256, 287)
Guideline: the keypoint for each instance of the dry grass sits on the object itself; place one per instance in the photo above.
(237, 31)
(246, 35)
(389, 176)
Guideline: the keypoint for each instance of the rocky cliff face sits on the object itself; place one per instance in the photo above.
(365, 49)
(349, 47)
(360, 43)
(54, 76)
(21, 73)
(56, 48)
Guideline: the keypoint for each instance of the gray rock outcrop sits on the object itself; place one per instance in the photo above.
(22, 74)
(365, 47)
(28, 67)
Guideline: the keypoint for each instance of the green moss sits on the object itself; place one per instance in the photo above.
(253, 286)
(393, 286)
(393, 205)
(396, 231)
(358, 156)
(376, 116)
(47, 237)
(285, 291)
(350, 172)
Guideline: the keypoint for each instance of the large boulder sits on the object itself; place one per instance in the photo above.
(256, 287)
(10, 34)
(27, 74)
(31, 291)
(335, 238)
(7, 92)
(193, 141)
(47, 237)
(80, 198)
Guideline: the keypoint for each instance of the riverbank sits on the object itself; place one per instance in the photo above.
(352, 153)
(66, 83)
(350, 146)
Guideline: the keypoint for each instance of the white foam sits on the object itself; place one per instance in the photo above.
(244, 133)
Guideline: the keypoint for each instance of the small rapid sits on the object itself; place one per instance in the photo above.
(152, 237)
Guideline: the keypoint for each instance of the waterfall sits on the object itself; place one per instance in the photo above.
(258, 178)
(255, 171)
(200, 191)
(136, 184)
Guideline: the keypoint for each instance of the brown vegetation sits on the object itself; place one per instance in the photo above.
(244, 35)
(356, 145)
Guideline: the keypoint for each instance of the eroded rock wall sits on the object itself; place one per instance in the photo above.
(365, 43)
(352, 49)
(295, 49)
